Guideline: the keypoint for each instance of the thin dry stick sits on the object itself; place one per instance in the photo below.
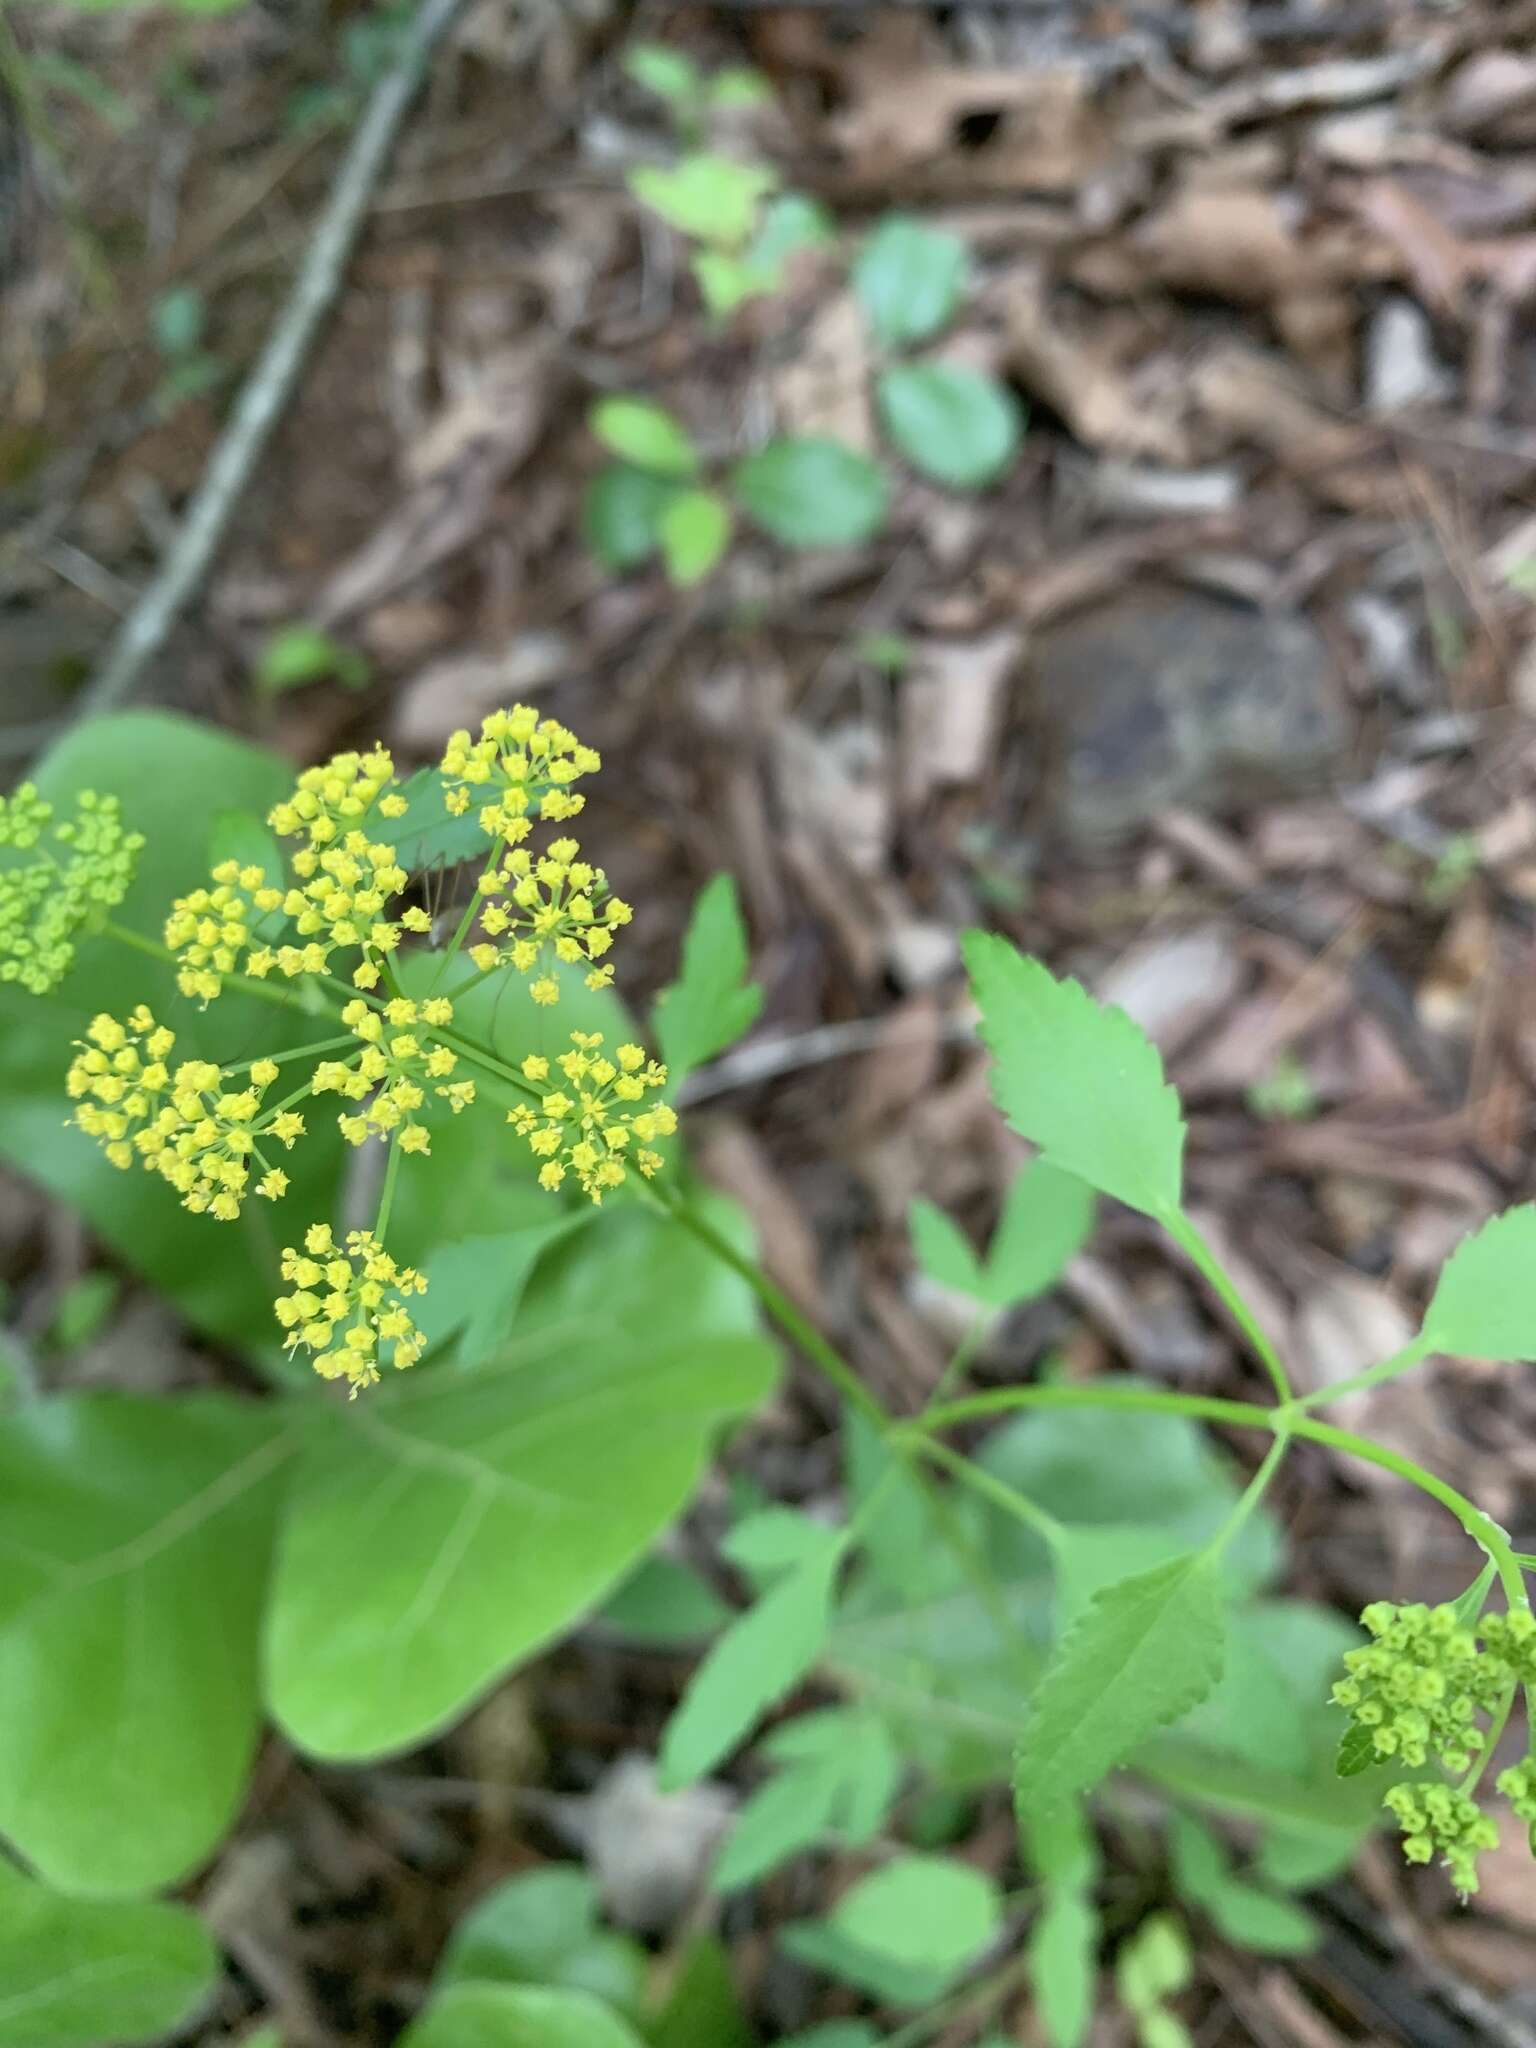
(270, 384)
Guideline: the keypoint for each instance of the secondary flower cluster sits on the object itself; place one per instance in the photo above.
(1419, 1689)
(71, 871)
(589, 1127)
(338, 906)
(184, 1123)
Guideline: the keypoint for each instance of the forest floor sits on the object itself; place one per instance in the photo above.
(1223, 701)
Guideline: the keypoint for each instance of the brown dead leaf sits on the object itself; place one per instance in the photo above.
(1136, 417)
(825, 387)
(459, 689)
(1434, 256)
(952, 711)
(474, 445)
(1172, 987)
(1490, 94)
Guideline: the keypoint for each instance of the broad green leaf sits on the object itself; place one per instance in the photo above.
(621, 515)
(646, 435)
(702, 2009)
(811, 492)
(671, 74)
(1078, 1079)
(542, 1928)
(1484, 1305)
(757, 1660)
(474, 1285)
(944, 1251)
(75, 1973)
(1272, 1704)
(790, 222)
(517, 2016)
(909, 279)
(1145, 1652)
(176, 778)
(711, 1004)
(1063, 1965)
(136, 1541)
(695, 532)
(713, 198)
(492, 1509)
(299, 654)
(955, 426)
(931, 1912)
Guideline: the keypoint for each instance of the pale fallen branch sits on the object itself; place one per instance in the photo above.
(270, 385)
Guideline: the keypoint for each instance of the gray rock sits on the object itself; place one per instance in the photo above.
(1166, 697)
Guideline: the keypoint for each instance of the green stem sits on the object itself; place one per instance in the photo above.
(1483, 1530)
(1253, 1493)
(387, 1193)
(1204, 1407)
(1388, 1369)
(985, 1483)
(1185, 1234)
(298, 1052)
(477, 897)
(1496, 1728)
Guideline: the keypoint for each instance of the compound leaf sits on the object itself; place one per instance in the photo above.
(1484, 1305)
(711, 1003)
(811, 492)
(909, 278)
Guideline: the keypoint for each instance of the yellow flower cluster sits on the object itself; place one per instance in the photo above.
(348, 1306)
(48, 897)
(589, 1128)
(520, 765)
(394, 1071)
(346, 880)
(557, 908)
(186, 1125)
(211, 929)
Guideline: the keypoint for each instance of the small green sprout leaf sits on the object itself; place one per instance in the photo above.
(671, 74)
(645, 435)
(1485, 1303)
(738, 86)
(1046, 1219)
(299, 654)
(712, 1003)
(622, 513)
(1078, 1079)
(714, 199)
(1144, 1652)
(1357, 1751)
(695, 531)
(930, 1912)
(957, 427)
(810, 492)
(909, 279)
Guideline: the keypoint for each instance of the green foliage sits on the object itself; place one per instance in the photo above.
(716, 199)
(909, 279)
(839, 1772)
(1152, 1966)
(645, 435)
(1046, 1219)
(1078, 1079)
(759, 1658)
(712, 1003)
(955, 426)
(695, 532)
(517, 2016)
(1064, 1941)
(299, 654)
(907, 1932)
(1484, 1305)
(811, 492)
(542, 1928)
(622, 515)
(1243, 1913)
(702, 2009)
(1145, 1651)
(138, 1534)
(77, 1972)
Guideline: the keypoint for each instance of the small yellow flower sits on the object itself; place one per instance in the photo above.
(520, 767)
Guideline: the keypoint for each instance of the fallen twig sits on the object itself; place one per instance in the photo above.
(270, 384)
